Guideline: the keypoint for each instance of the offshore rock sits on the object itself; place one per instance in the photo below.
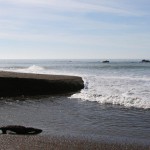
(145, 61)
(105, 61)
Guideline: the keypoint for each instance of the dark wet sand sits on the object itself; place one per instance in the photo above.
(14, 142)
(17, 84)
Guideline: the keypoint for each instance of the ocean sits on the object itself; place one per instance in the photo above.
(113, 106)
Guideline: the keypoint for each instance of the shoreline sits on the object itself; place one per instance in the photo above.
(13, 84)
(18, 142)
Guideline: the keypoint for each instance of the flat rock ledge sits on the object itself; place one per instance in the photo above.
(14, 84)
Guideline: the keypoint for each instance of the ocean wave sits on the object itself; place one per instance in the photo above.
(30, 69)
(116, 91)
(136, 78)
(114, 99)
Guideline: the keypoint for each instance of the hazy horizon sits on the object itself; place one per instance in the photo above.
(73, 59)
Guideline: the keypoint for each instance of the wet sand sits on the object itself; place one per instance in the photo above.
(14, 142)
(26, 84)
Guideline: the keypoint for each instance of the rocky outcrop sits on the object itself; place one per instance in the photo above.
(17, 84)
(145, 61)
(14, 129)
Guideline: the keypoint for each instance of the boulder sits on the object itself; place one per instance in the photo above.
(15, 129)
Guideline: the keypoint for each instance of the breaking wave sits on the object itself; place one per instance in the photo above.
(32, 69)
(116, 91)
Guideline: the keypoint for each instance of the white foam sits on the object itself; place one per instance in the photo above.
(31, 69)
(121, 91)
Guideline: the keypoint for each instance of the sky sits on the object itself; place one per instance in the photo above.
(74, 29)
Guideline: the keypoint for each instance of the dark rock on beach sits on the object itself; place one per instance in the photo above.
(14, 129)
(14, 84)
(145, 61)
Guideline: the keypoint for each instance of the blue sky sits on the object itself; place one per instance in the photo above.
(75, 29)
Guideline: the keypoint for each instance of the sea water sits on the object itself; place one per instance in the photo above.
(114, 104)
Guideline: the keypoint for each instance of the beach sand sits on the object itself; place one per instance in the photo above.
(17, 84)
(14, 142)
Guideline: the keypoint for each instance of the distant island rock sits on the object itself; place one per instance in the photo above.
(105, 61)
(145, 61)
